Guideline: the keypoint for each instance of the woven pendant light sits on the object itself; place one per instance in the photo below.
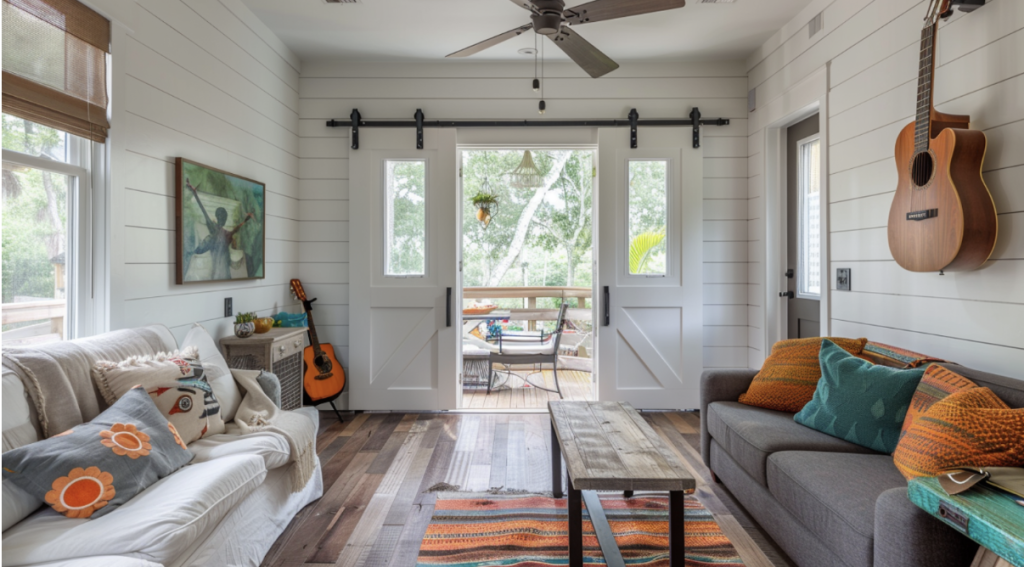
(526, 176)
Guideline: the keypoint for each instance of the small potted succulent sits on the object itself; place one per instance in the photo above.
(245, 325)
(484, 203)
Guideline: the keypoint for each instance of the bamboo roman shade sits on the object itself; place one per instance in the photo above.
(55, 65)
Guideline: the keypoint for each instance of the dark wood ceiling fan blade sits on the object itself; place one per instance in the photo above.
(590, 58)
(600, 10)
(477, 48)
(525, 4)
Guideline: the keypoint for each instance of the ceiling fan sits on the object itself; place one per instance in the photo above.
(552, 18)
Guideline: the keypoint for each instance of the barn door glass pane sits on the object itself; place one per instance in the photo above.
(406, 218)
(648, 217)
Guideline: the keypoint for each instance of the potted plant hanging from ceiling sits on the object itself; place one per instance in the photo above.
(486, 203)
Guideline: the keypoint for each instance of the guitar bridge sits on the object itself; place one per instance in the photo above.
(923, 215)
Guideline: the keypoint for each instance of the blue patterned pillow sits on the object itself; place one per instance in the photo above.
(89, 470)
(858, 401)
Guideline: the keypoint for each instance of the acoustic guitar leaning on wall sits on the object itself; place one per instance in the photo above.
(323, 378)
(942, 217)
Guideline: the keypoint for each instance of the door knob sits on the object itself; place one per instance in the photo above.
(788, 294)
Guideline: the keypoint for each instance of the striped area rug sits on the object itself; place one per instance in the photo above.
(533, 532)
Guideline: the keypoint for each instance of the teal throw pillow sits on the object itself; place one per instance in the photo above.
(858, 401)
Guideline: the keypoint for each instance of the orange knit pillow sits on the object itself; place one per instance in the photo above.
(971, 428)
(789, 376)
(937, 383)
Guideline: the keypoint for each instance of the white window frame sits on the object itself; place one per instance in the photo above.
(87, 256)
(386, 207)
(801, 212)
(668, 218)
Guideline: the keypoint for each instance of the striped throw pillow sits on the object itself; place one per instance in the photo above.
(936, 385)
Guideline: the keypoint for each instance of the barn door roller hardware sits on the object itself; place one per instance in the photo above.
(418, 123)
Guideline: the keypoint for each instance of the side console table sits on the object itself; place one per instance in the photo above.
(988, 516)
(279, 350)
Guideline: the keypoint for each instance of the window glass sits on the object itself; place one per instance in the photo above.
(648, 217)
(406, 222)
(35, 254)
(809, 164)
(34, 139)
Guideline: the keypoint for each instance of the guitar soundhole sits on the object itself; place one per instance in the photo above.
(922, 169)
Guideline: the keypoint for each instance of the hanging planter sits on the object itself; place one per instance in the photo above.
(486, 207)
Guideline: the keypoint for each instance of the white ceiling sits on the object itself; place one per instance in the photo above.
(430, 29)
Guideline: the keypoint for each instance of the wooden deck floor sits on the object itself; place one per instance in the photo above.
(575, 385)
(377, 467)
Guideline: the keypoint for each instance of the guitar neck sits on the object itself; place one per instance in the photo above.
(925, 81)
(313, 340)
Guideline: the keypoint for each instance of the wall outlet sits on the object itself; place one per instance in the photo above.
(228, 309)
(843, 279)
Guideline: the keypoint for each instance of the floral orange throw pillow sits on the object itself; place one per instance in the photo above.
(87, 471)
(970, 428)
(789, 376)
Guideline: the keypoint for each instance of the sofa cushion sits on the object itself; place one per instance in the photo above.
(158, 525)
(272, 447)
(833, 496)
(218, 372)
(751, 434)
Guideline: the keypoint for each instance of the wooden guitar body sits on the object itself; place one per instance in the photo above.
(324, 376)
(962, 234)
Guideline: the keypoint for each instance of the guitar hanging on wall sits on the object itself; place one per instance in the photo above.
(324, 378)
(943, 216)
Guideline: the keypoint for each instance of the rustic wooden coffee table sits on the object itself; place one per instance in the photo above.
(609, 446)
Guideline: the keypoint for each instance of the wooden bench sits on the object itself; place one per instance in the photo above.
(609, 446)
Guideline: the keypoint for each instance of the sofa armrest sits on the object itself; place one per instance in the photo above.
(719, 386)
(907, 536)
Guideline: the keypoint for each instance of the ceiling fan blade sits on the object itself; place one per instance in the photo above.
(600, 10)
(477, 48)
(595, 63)
(525, 4)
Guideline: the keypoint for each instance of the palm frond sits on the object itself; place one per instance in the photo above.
(641, 249)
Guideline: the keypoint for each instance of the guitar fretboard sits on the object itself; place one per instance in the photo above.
(924, 89)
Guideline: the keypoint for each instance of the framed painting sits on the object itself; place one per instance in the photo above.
(220, 222)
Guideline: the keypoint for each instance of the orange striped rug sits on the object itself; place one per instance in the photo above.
(505, 531)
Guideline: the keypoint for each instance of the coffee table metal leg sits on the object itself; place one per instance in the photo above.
(556, 465)
(575, 506)
(676, 530)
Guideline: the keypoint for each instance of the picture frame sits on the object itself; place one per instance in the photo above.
(220, 225)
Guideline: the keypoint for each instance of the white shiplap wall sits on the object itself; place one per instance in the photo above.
(973, 318)
(471, 90)
(205, 80)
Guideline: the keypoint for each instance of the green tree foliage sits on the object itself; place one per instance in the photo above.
(564, 223)
(648, 215)
(407, 217)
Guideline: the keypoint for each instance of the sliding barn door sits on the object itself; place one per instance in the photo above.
(403, 268)
(650, 333)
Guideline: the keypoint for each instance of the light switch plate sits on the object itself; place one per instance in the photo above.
(843, 279)
(228, 309)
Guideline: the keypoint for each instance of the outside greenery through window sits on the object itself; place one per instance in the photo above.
(809, 277)
(648, 217)
(406, 222)
(36, 247)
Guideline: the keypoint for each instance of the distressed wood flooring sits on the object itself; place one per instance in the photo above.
(575, 384)
(377, 468)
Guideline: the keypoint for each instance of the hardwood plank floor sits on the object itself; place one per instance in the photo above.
(575, 384)
(378, 466)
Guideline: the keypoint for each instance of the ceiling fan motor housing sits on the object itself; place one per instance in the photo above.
(548, 18)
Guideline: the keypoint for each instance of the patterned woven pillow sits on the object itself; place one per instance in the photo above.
(91, 469)
(970, 428)
(937, 383)
(895, 357)
(789, 376)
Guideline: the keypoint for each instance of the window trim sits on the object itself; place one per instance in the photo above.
(800, 220)
(668, 219)
(385, 204)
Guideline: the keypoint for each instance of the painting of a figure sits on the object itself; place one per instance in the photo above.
(220, 225)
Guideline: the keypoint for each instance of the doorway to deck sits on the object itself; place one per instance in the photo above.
(527, 249)
(803, 228)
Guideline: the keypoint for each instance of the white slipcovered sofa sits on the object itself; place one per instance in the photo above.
(225, 508)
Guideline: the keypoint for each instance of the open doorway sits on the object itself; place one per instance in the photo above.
(527, 276)
(803, 228)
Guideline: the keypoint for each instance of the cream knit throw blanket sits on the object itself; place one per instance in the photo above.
(257, 412)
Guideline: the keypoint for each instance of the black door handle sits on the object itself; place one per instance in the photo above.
(607, 307)
(788, 294)
(448, 312)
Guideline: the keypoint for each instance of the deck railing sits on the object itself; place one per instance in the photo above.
(52, 310)
(579, 299)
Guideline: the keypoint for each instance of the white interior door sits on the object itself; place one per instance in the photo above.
(403, 267)
(650, 324)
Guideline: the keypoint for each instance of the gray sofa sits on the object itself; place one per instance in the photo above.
(824, 501)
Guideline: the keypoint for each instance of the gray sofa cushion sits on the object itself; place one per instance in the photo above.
(1009, 390)
(751, 434)
(834, 495)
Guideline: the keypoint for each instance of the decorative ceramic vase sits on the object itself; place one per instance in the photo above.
(244, 330)
(264, 324)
